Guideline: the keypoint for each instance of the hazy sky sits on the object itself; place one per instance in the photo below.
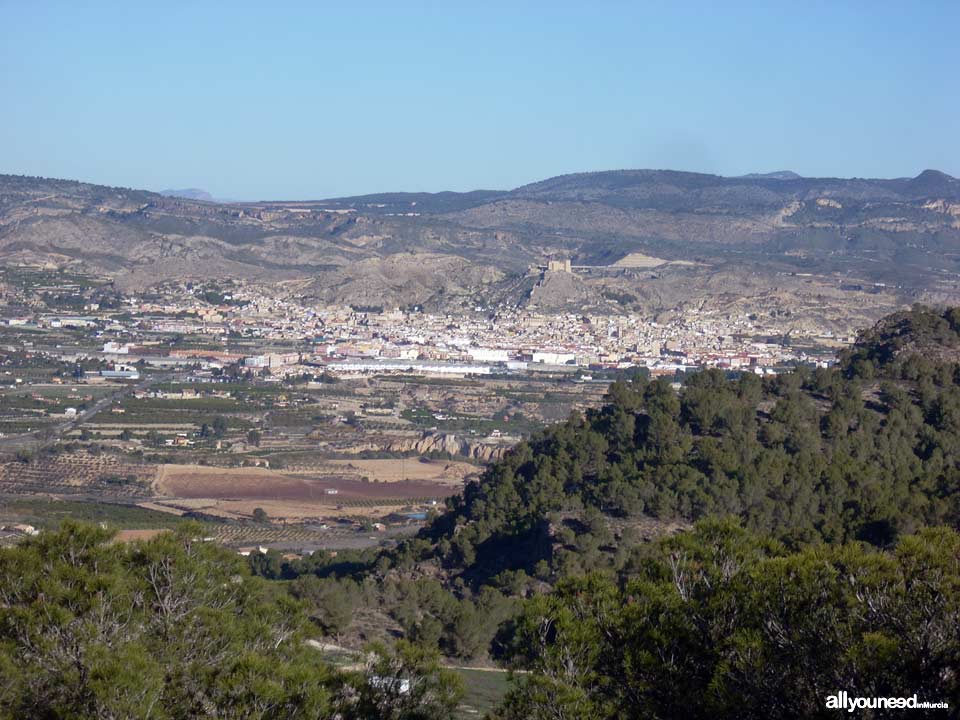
(311, 100)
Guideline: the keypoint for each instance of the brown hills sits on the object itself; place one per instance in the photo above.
(861, 246)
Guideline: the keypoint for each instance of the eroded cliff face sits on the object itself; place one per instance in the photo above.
(451, 444)
(484, 451)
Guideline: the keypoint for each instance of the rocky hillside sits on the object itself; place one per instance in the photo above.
(876, 244)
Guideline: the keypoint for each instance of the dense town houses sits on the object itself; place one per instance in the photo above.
(271, 335)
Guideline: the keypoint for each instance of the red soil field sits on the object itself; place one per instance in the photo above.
(257, 483)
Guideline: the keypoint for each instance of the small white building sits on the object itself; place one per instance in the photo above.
(482, 354)
(553, 358)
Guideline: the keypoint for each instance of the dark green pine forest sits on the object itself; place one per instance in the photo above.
(737, 547)
(866, 451)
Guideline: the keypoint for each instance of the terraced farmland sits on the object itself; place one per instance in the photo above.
(237, 535)
(77, 474)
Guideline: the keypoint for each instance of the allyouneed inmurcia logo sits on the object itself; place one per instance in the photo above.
(843, 701)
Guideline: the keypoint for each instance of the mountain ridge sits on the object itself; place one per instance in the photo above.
(930, 180)
(189, 194)
(870, 245)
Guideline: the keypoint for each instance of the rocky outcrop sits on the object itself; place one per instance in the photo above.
(402, 279)
(450, 444)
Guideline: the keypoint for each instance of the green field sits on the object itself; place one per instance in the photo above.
(152, 411)
(484, 690)
(470, 424)
(50, 513)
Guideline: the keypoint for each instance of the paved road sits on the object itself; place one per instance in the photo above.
(52, 433)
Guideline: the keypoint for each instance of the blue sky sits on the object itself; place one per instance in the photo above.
(287, 100)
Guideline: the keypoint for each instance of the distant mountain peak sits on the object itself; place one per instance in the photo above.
(937, 175)
(189, 194)
(931, 183)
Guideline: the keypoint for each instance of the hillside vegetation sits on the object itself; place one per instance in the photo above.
(866, 450)
(740, 547)
(718, 623)
(176, 627)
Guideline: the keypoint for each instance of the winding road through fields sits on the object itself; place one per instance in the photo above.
(51, 434)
